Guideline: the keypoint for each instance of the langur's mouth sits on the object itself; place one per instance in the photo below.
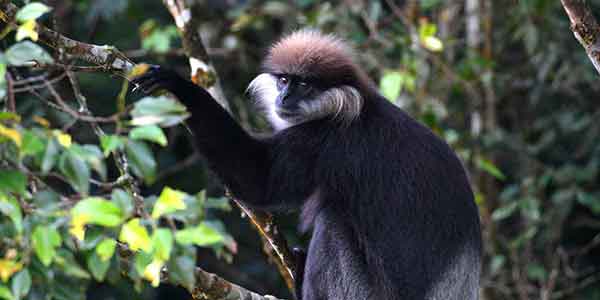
(287, 114)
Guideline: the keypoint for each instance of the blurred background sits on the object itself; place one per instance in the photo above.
(504, 82)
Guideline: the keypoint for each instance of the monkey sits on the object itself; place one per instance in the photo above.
(387, 202)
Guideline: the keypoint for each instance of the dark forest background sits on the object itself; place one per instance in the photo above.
(504, 82)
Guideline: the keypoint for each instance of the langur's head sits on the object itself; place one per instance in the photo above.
(309, 75)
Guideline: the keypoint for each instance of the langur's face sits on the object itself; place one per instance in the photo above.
(286, 99)
(291, 99)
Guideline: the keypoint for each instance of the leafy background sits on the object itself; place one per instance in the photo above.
(514, 95)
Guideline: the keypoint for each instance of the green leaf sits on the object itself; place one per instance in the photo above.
(490, 168)
(141, 160)
(530, 208)
(136, 236)
(432, 43)
(156, 41)
(11, 134)
(194, 209)
(181, 270)
(427, 29)
(169, 201)
(32, 144)
(45, 240)
(65, 289)
(536, 271)
(5, 115)
(5, 293)
(156, 106)
(12, 181)
(142, 259)
(92, 155)
(391, 85)
(25, 52)
(106, 249)
(427, 36)
(428, 4)
(72, 165)
(47, 202)
(504, 212)
(98, 211)
(162, 243)
(124, 200)
(8, 267)
(111, 143)
(279, 9)
(3, 82)
(21, 284)
(591, 201)
(523, 237)
(27, 30)
(150, 133)
(158, 110)
(32, 11)
(201, 235)
(159, 40)
(10, 207)
(97, 266)
(221, 203)
(50, 156)
(69, 265)
(64, 139)
(152, 272)
(497, 263)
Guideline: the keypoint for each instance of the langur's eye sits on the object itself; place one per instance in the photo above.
(303, 83)
(283, 80)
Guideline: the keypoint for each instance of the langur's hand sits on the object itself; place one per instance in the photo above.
(156, 78)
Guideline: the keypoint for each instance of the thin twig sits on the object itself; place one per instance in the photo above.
(562, 294)
(41, 85)
(64, 107)
(10, 93)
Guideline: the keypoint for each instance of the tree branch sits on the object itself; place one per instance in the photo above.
(208, 286)
(585, 27)
(212, 287)
(204, 74)
(109, 57)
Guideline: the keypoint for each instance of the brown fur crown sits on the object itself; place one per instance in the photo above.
(309, 53)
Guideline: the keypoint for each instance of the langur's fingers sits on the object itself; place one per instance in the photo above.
(150, 89)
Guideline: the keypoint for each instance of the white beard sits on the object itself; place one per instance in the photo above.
(342, 103)
(263, 90)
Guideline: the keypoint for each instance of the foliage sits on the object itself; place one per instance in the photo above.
(514, 97)
(68, 214)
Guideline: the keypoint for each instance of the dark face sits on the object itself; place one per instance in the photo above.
(294, 92)
(288, 99)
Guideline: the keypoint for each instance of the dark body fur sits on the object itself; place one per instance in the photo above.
(389, 204)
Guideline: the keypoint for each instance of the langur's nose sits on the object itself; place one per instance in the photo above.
(288, 103)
